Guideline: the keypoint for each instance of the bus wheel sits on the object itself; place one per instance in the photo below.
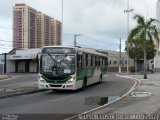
(84, 84)
(100, 78)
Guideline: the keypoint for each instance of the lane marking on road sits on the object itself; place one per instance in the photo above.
(135, 86)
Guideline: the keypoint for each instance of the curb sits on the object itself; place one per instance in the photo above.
(135, 86)
(5, 77)
(19, 93)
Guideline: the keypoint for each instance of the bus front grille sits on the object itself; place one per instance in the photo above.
(55, 85)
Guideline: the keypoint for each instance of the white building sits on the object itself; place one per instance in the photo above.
(1, 63)
(157, 57)
(158, 10)
(22, 61)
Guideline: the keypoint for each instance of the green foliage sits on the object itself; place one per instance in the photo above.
(142, 36)
(136, 50)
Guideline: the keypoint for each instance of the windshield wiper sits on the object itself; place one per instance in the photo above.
(55, 61)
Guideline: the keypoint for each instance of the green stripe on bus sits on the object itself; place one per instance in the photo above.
(56, 80)
(89, 72)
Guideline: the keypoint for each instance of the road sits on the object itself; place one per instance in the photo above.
(65, 102)
(19, 80)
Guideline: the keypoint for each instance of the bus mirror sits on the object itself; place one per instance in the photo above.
(38, 55)
(78, 57)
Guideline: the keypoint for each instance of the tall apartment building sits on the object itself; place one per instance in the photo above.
(24, 26)
(33, 29)
(58, 30)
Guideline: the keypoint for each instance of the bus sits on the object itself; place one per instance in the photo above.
(70, 68)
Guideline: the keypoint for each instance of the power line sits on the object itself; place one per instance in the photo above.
(99, 40)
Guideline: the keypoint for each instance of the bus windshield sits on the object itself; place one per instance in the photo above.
(58, 64)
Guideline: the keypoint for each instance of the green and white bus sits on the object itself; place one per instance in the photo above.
(70, 68)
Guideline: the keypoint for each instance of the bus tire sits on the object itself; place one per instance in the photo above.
(101, 78)
(84, 84)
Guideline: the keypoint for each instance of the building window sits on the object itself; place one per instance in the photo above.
(126, 62)
(115, 62)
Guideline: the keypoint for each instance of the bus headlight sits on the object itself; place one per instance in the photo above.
(42, 80)
(71, 80)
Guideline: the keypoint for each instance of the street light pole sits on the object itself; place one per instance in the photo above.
(127, 11)
(127, 38)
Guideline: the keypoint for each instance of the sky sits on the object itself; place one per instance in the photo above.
(100, 23)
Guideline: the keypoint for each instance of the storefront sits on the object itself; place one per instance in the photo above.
(23, 61)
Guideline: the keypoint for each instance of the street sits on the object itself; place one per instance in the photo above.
(18, 80)
(65, 102)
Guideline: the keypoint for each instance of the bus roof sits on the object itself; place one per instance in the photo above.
(80, 49)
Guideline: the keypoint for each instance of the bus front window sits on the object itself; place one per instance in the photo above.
(58, 64)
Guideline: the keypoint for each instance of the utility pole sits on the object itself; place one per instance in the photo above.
(75, 39)
(120, 57)
(127, 11)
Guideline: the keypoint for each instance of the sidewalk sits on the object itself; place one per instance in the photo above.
(10, 85)
(138, 105)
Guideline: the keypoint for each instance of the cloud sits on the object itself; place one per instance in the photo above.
(99, 19)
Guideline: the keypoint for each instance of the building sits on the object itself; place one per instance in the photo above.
(1, 63)
(114, 60)
(158, 10)
(33, 29)
(48, 31)
(58, 30)
(24, 26)
(22, 61)
(157, 57)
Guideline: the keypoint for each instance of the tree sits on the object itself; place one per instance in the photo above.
(144, 31)
(136, 50)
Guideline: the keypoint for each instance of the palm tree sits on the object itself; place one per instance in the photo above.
(145, 30)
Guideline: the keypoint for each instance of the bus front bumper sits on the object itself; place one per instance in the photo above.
(65, 86)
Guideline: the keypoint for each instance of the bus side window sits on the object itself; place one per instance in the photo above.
(79, 61)
(103, 62)
(83, 59)
(100, 61)
(86, 59)
(92, 60)
(96, 61)
(89, 59)
(106, 61)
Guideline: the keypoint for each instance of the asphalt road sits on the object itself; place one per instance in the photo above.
(65, 102)
(19, 80)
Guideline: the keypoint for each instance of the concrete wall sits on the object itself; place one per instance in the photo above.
(1, 68)
(1, 64)
(32, 66)
(113, 61)
(10, 66)
(157, 61)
